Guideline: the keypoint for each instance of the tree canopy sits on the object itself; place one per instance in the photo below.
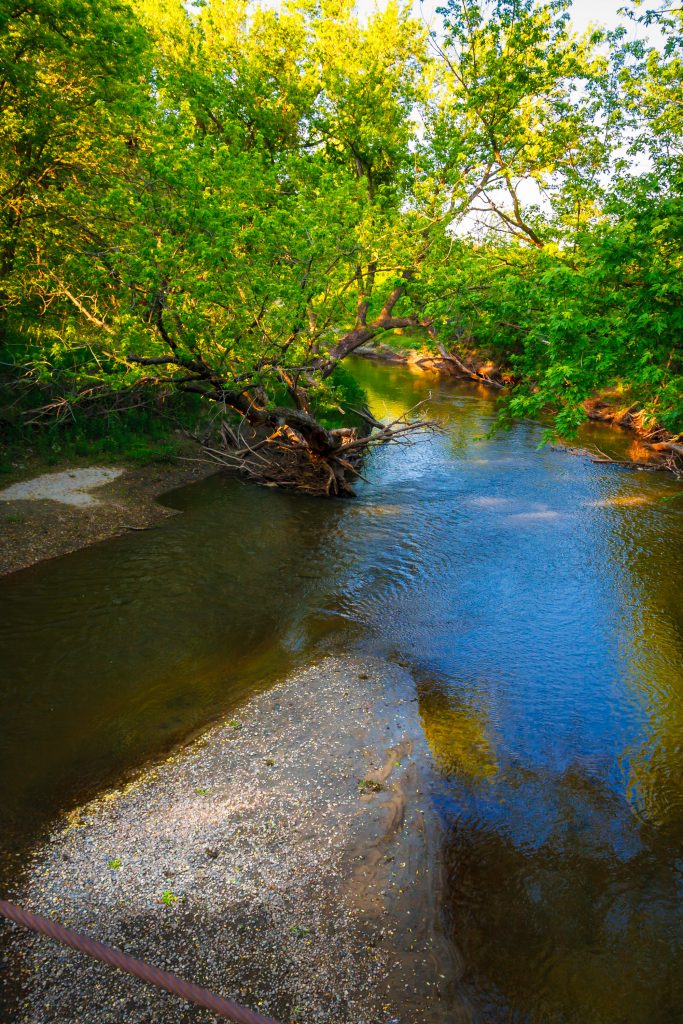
(227, 199)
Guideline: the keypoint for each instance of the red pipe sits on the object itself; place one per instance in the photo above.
(117, 958)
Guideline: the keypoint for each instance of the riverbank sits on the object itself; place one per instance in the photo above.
(289, 858)
(46, 523)
(545, 648)
(652, 446)
(45, 515)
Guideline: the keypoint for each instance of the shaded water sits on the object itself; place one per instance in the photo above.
(537, 600)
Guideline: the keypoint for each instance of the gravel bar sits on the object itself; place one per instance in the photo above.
(288, 859)
(36, 523)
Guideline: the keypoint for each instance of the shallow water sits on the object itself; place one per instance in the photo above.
(537, 600)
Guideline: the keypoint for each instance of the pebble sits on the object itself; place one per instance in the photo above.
(252, 865)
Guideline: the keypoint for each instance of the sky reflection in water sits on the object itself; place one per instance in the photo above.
(535, 597)
(539, 601)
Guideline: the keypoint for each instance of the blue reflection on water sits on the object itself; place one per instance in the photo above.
(537, 598)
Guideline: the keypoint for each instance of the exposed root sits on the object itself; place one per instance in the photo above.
(284, 457)
(663, 447)
(660, 460)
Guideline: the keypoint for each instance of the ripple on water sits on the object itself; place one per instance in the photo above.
(536, 599)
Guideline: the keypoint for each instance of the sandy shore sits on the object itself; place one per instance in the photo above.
(43, 517)
(288, 859)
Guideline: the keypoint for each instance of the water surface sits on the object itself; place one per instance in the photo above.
(536, 599)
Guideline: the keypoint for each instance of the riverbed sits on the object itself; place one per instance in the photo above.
(534, 600)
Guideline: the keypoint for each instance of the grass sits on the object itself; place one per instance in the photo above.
(152, 433)
(369, 786)
(119, 422)
(406, 338)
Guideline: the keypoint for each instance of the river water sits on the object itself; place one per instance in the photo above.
(537, 600)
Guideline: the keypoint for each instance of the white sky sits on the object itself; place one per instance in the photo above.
(598, 13)
(603, 13)
(584, 13)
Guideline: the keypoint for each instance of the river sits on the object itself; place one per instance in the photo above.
(537, 600)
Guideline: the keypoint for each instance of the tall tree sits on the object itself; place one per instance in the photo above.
(70, 100)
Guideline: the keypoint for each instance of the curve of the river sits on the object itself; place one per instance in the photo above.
(537, 599)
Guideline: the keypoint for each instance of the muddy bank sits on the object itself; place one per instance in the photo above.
(41, 524)
(651, 442)
(652, 446)
(470, 365)
(288, 859)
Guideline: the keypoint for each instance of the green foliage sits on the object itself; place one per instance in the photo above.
(521, 108)
(334, 402)
(581, 295)
(49, 412)
(369, 786)
(605, 314)
(223, 200)
(69, 104)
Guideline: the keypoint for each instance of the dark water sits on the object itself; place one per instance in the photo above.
(538, 601)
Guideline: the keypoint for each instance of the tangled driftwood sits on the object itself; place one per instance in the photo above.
(286, 457)
(666, 456)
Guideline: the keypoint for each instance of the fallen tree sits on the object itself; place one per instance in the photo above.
(274, 190)
(285, 456)
(281, 445)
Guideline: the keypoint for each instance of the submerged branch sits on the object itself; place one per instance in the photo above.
(286, 456)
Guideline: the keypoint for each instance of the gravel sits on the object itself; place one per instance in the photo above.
(288, 859)
(70, 487)
(37, 522)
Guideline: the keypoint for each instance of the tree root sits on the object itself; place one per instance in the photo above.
(284, 457)
(662, 459)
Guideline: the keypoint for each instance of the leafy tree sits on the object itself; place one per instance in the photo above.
(69, 101)
(519, 120)
(581, 295)
(227, 200)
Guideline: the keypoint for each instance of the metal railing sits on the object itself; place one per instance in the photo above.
(117, 958)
